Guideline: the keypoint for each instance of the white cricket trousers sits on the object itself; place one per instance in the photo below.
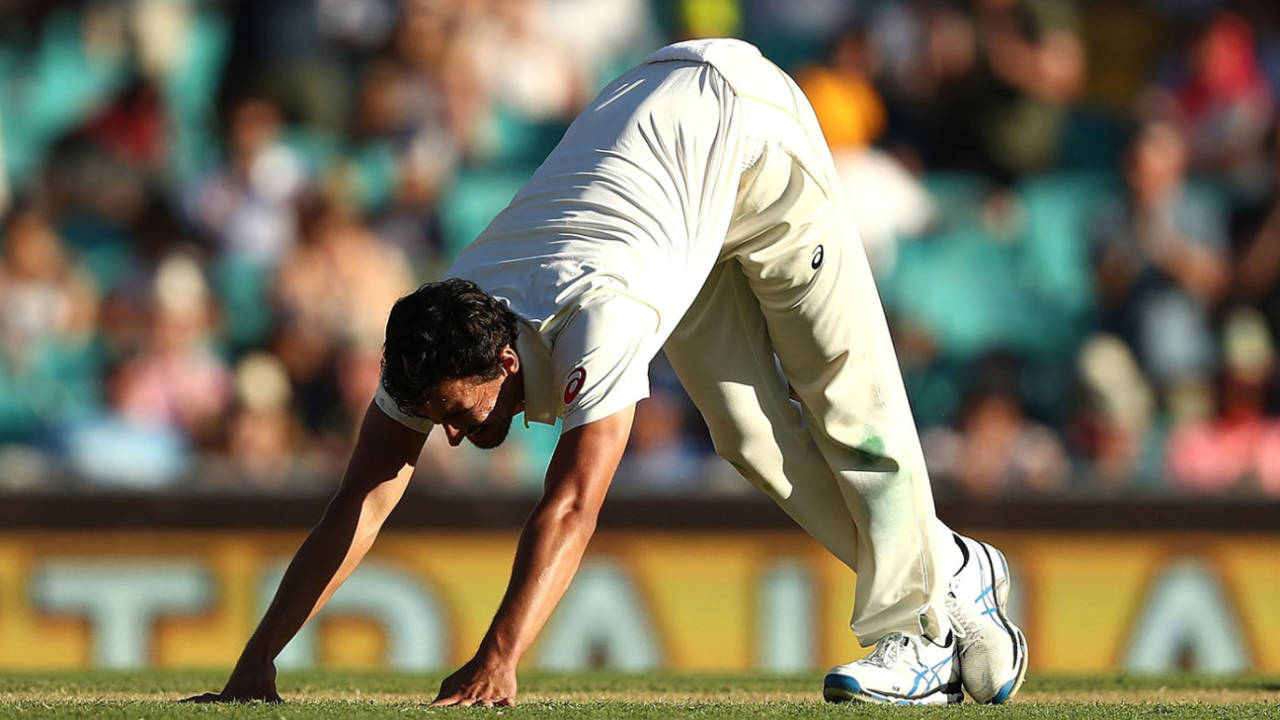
(793, 282)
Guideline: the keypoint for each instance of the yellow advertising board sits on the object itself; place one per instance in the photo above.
(643, 599)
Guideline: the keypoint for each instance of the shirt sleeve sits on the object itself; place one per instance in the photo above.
(601, 359)
(388, 407)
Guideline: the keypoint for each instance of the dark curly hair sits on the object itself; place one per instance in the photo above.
(442, 331)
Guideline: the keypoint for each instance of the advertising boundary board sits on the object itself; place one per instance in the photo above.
(718, 597)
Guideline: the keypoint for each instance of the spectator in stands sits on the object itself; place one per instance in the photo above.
(1113, 429)
(45, 299)
(888, 203)
(848, 106)
(1256, 275)
(519, 62)
(1264, 20)
(429, 45)
(286, 50)
(157, 237)
(403, 112)
(358, 368)
(622, 34)
(1224, 106)
(309, 360)
(409, 221)
(403, 99)
(132, 127)
(48, 310)
(134, 451)
(262, 435)
(332, 294)
(248, 205)
(660, 456)
(177, 379)
(395, 103)
(1237, 447)
(1034, 69)
(1007, 74)
(997, 452)
(1161, 261)
(341, 280)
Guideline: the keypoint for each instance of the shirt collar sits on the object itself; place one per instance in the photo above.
(535, 363)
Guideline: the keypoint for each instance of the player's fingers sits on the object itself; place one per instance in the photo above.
(466, 702)
(504, 702)
(274, 698)
(203, 698)
(442, 700)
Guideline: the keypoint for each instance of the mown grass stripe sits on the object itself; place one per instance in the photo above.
(377, 695)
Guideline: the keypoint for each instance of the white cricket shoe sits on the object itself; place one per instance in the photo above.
(902, 670)
(992, 650)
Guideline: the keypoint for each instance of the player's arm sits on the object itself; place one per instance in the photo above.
(550, 548)
(373, 483)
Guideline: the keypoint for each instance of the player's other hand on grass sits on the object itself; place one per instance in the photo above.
(244, 685)
(485, 684)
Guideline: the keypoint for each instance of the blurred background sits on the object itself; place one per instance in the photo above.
(209, 206)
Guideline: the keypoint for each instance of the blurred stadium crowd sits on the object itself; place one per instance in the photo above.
(209, 206)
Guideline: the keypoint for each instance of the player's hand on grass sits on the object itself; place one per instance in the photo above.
(244, 685)
(485, 684)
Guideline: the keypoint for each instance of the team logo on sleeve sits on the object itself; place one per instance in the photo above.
(816, 261)
(576, 380)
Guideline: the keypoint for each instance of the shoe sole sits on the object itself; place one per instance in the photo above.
(838, 688)
(998, 575)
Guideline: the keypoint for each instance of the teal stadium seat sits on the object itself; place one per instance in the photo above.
(964, 287)
(18, 420)
(241, 286)
(317, 150)
(105, 252)
(1055, 263)
(68, 386)
(190, 92)
(961, 285)
(375, 173)
(958, 196)
(471, 201)
(519, 140)
(60, 385)
(48, 89)
(538, 443)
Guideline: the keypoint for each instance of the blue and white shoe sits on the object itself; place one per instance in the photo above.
(902, 670)
(992, 650)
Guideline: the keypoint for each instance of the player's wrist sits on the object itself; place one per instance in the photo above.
(256, 658)
(494, 656)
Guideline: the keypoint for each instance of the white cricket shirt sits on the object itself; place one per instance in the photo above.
(603, 250)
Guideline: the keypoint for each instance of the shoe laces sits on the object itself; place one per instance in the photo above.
(887, 651)
(964, 622)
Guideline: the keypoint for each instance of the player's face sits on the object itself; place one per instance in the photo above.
(478, 410)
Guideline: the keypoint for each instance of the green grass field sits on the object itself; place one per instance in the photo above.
(330, 694)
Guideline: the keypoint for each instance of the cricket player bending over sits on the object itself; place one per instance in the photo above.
(691, 208)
